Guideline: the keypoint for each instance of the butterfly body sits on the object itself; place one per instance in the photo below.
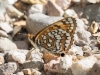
(57, 37)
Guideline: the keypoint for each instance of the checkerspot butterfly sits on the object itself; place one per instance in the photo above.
(58, 37)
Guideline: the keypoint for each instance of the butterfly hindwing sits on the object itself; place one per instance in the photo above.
(57, 37)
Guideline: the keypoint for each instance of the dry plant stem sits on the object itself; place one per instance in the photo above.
(30, 52)
(29, 55)
(15, 10)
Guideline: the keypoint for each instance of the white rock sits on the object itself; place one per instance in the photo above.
(8, 68)
(19, 51)
(12, 1)
(55, 64)
(79, 21)
(70, 13)
(97, 34)
(9, 55)
(6, 27)
(86, 48)
(3, 33)
(72, 51)
(97, 56)
(20, 73)
(93, 1)
(35, 1)
(65, 63)
(59, 65)
(79, 51)
(82, 37)
(37, 8)
(19, 57)
(6, 45)
(35, 55)
(76, 1)
(64, 4)
(76, 50)
(3, 5)
(83, 66)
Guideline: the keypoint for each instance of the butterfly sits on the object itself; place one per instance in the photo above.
(58, 37)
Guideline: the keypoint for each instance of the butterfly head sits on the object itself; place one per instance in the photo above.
(31, 40)
(30, 36)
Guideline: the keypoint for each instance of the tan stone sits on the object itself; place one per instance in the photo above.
(1, 59)
(96, 68)
(53, 9)
(48, 56)
(27, 71)
(36, 1)
(35, 72)
(64, 4)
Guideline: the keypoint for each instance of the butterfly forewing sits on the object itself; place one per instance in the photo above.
(57, 37)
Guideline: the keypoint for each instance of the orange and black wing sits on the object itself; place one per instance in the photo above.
(57, 37)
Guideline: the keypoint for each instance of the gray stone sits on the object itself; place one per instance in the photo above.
(8, 68)
(9, 58)
(6, 45)
(22, 45)
(38, 21)
(90, 12)
(33, 64)
(93, 1)
(96, 68)
(20, 73)
(3, 6)
(12, 1)
(76, 50)
(93, 12)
